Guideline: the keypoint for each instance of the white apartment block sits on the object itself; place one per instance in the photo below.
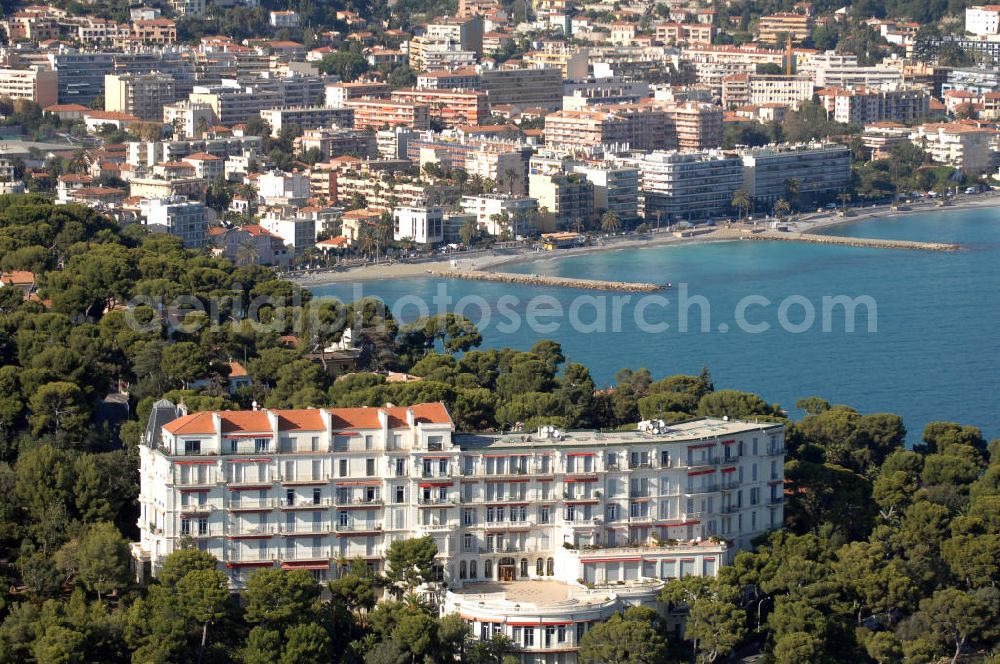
(821, 170)
(299, 233)
(421, 224)
(982, 20)
(576, 525)
(518, 211)
(962, 146)
(180, 217)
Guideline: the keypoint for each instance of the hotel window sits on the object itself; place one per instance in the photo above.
(546, 464)
(233, 446)
(473, 570)
(185, 527)
(539, 567)
(317, 495)
(524, 567)
(343, 518)
(753, 472)
(400, 467)
(529, 637)
(192, 447)
(290, 496)
(612, 459)
(550, 566)
(468, 543)
(612, 512)
(314, 443)
(343, 468)
(543, 514)
(462, 570)
(665, 458)
(370, 467)
(202, 525)
(443, 468)
(754, 446)
(561, 633)
(550, 634)
(260, 445)
(469, 465)
(397, 441)
(369, 440)
(400, 494)
(428, 469)
(516, 634)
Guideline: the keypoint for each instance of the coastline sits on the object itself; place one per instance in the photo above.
(485, 260)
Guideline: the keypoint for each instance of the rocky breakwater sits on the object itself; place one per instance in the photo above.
(873, 243)
(560, 282)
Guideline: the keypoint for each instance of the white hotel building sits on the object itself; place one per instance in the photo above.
(539, 535)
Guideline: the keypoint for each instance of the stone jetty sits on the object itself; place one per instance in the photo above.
(873, 243)
(561, 282)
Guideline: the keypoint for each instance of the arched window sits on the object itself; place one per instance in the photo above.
(539, 567)
(461, 570)
(473, 570)
(487, 569)
(550, 567)
(524, 568)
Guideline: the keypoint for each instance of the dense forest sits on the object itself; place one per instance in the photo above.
(889, 554)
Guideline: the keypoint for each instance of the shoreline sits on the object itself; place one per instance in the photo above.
(490, 259)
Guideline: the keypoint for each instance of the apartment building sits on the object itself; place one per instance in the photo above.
(963, 146)
(607, 90)
(142, 95)
(616, 188)
(982, 20)
(188, 119)
(461, 79)
(588, 129)
(306, 117)
(235, 104)
(978, 80)
(378, 113)
(336, 142)
(498, 214)
(466, 32)
(280, 188)
(683, 33)
(37, 85)
(821, 170)
(568, 197)
(881, 137)
(762, 89)
(451, 108)
(568, 520)
(685, 186)
(842, 70)
(179, 217)
(298, 233)
(866, 105)
(338, 93)
(145, 154)
(419, 223)
(771, 27)
(698, 126)
(156, 32)
(524, 88)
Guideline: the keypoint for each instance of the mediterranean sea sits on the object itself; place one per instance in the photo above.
(932, 351)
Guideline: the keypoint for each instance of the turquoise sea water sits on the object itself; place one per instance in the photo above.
(934, 356)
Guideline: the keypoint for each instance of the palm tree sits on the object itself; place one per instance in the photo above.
(366, 241)
(742, 201)
(792, 188)
(247, 252)
(845, 198)
(469, 232)
(781, 209)
(610, 222)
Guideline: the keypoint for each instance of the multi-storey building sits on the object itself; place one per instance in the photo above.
(420, 223)
(180, 217)
(524, 88)
(821, 171)
(771, 27)
(697, 126)
(157, 31)
(498, 214)
(306, 117)
(37, 85)
(978, 80)
(608, 90)
(149, 153)
(377, 113)
(466, 33)
(865, 105)
(461, 79)
(963, 146)
(880, 137)
(616, 189)
(336, 142)
(235, 104)
(982, 19)
(142, 95)
(576, 524)
(686, 33)
(338, 93)
(761, 90)
(676, 186)
(452, 108)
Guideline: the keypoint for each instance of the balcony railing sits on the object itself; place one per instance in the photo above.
(581, 521)
(436, 501)
(251, 529)
(197, 507)
(692, 516)
(730, 509)
(304, 528)
(704, 488)
(775, 451)
(251, 503)
(506, 548)
(250, 481)
(214, 530)
(306, 477)
(324, 501)
(253, 555)
(208, 480)
(776, 500)
(362, 527)
(347, 501)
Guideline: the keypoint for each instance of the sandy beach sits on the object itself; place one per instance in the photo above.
(487, 259)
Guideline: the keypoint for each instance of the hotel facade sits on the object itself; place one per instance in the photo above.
(540, 535)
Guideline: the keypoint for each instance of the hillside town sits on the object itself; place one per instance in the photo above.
(297, 143)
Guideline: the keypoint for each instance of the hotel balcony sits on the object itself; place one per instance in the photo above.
(348, 502)
(775, 451)
(364, 527)
(251, 503)
(252, 529)
(253, 556)
(305, 503)
(209, 479)
(306, 478)
(580, 522)
(730, 509)
(436, 502)
(197, 508)
(705, 488)
(215, 530)
(267, 480)
(305, 528)
(775, 501)
(305, 553)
